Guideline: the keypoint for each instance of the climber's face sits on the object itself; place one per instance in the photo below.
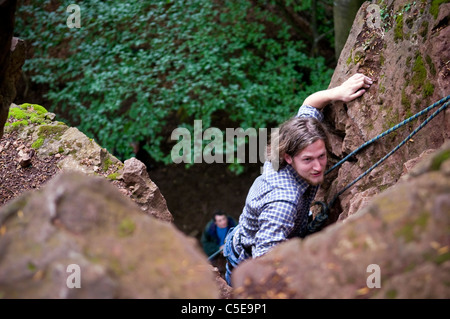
(310, 162)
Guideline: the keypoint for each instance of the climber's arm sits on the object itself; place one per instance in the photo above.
(353, 87)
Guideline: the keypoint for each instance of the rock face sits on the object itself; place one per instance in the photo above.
(387, 235)
(80, 224)
(398, 246)
(403, 46)
(389, 241)
(12, 57)
(77, 152)
(85, 201)
(144, 191)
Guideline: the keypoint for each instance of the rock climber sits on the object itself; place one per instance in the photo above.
(213, 236)
(278, 203)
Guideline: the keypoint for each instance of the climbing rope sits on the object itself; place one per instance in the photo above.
(315, 225)
(215, 254)
(392, 129)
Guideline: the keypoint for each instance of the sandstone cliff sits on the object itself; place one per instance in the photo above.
(83, 223)
(393, 225)
(403, 46)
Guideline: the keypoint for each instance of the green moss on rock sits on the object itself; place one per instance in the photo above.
(398, 29)
(15, 125)
(48, 132)
(439, 159)
(40, 110)
(113, 176)
(419, 79)
(434, 8)
(408, 231)
(26, 114)
(51, 130)
(126, 227)
(107, 163)
(430, 65)
(441, 258)
(38, 143)
(419, 72)
(428, 89)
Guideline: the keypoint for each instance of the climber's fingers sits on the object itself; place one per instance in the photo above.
(367, 82)
(355, 86)
(358, 81)
(357, 94)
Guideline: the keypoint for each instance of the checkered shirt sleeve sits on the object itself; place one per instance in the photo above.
(277, 222)
(309, 111)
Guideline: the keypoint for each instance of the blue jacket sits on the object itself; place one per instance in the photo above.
(210, 239)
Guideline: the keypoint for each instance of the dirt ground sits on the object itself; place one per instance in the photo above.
(15, 179)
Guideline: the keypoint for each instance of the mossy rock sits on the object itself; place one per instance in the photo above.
(47, 133)
(33, 113)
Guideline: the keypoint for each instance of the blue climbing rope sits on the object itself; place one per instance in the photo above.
(392, 129)
(215, 254)
(392, 151)
(323, 215)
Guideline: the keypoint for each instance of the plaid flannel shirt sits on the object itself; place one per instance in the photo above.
(276, 208)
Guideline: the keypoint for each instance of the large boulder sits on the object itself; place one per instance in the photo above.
(398, 246)
(144, 191)
(82, 225)
(403, 46)
(72, 150)
(392, 226)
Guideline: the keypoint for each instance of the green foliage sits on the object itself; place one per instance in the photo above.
(134, 65)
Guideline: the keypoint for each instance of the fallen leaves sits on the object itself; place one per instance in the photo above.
(20, 168)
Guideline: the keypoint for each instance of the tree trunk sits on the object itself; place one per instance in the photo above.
(344, 12)
(7, 89)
